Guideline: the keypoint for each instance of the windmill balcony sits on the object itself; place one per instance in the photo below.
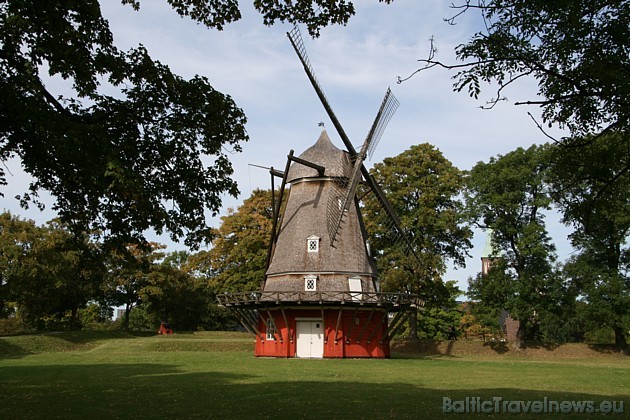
(390, 301)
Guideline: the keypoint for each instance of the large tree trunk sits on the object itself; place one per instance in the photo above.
(520, 338)
(128, 308)
(620, 339)
(413, 326)
(74, 319)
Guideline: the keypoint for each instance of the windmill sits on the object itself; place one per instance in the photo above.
(321, 295)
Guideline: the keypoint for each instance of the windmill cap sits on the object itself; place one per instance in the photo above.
(323, 153)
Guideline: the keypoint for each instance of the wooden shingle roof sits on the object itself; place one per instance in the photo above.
(322, 153)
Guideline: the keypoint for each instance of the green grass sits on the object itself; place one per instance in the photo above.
(214, 375)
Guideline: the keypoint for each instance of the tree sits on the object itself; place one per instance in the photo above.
(599, 212)
(46, 272)
(130, 145)
(509, 195)
(577, 51)
(173, 295)
(442, 322)
(116, 163)
(422, 187)
(238, 258)
(127, 271)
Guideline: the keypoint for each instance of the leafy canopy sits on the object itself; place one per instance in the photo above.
(423, 188)
(577, 51)
(509, 194)
(238, 258)
(129, 145)
(599, 211)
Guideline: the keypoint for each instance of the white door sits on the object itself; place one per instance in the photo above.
(310, 339)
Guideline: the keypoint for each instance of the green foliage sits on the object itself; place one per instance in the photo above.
(423, 188)
(46, 272)
(141, 319)
(478, 321)
(129, 145)
(509, 195)
(577, 51)
(238, 258)
(592, 191)
(117, 163)
(95, 314)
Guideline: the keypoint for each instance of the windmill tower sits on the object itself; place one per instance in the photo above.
(321, 296)
(489, 254)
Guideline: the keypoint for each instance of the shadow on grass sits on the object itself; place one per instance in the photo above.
(9, 350)
(608, 349)
(22, 345)
(500, 347)
(89, 336)
(540, 345)
(148, 390)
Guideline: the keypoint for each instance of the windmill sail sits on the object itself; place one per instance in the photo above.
(385, 112)
(298, 45)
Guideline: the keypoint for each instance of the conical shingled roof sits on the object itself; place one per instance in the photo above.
(305, 218)
(323, 153)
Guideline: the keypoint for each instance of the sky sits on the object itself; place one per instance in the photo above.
(355, 64)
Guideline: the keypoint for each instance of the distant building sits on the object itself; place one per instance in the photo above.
(120, 313)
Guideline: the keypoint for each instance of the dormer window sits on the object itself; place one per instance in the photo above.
(312, 244)
(354, 284)
(310, 283)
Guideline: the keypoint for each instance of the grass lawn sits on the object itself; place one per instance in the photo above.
(214, 375)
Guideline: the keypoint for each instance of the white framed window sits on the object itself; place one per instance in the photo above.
(312, 244)
(271, 329)
(310, 283)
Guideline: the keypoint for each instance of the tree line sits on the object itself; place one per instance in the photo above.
(49, 275)
(52, 279)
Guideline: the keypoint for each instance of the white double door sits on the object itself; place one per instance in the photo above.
(310, 338)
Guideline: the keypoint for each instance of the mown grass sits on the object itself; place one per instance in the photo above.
(214, 375)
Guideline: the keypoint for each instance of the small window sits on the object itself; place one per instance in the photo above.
(271, 329)
(312, 244)
(310, 283)
(354, 284)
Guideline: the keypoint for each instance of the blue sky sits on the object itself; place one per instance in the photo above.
(355, 64)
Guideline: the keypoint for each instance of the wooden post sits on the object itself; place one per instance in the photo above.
(337, 327)
(366, 325)
(354, 319)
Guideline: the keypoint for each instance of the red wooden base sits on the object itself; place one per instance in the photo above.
(345, 332)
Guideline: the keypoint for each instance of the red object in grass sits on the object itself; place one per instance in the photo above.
(165, 328)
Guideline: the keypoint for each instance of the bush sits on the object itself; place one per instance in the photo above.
(12, 326)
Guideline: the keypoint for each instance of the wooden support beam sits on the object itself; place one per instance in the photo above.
(389, 335)
(252, 325)
(337, 327)
(319, 168)
(243, 322)
(276, 211)
(354, 320)
(284, 315)
(324, 325)
(366, 325)
(396, 322)
(376, 327)
(275, 327)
